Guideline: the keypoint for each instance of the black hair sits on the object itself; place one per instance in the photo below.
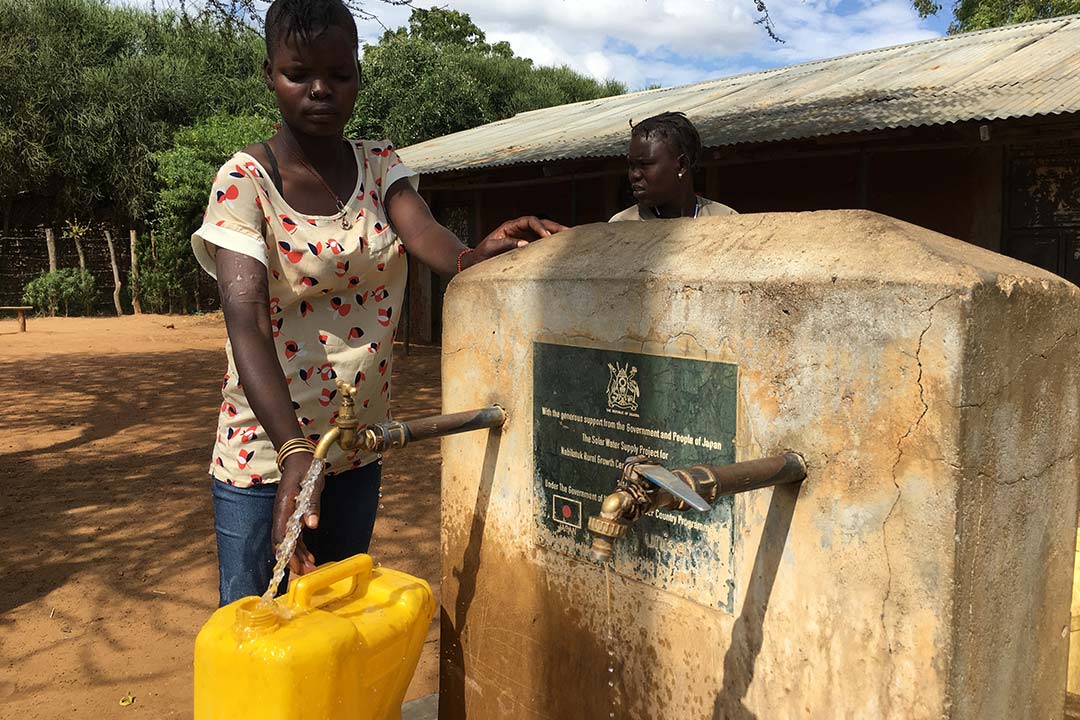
(674, 127)
(305, 20)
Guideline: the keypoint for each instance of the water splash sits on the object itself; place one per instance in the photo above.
(292, 529)
(610, 643)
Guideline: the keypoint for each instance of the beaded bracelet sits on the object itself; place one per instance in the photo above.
(292, 447)
(461, 256)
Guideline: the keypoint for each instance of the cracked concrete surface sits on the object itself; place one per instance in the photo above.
(900, 452)
(922, 571)
(1038, 473)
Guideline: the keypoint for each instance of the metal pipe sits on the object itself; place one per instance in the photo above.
(716, 481)
(395, 434)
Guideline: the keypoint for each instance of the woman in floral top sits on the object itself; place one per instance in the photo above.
(307, 236)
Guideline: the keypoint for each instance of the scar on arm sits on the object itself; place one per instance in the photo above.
(241, 279)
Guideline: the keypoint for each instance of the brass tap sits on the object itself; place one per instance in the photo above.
(643, 487)
(646, 486)
(344, 432)
(617, 512)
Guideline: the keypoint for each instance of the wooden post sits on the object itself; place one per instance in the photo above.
(78, 233)
(115, 273)
(22, 320)
(77, 237)
(50, 244)
(133, 278)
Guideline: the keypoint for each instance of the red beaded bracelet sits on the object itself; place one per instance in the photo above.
(461, 256)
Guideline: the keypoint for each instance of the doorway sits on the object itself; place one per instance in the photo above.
(1042, 208)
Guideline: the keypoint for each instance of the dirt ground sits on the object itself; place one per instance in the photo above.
(107, 564)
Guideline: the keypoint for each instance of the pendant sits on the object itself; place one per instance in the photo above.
(344, 210)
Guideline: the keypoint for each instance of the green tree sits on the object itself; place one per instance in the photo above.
(446, 27)
(118, 115)
(983, 14)
(439, 75)
(250, 11)
(184, 174)
(92, 90)
(40, 85)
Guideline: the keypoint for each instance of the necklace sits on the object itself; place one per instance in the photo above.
(697, 208)
(342, 210)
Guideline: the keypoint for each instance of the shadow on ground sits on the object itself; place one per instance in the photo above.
(109, 564)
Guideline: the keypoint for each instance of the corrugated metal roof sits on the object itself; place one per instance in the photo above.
(1015, 71)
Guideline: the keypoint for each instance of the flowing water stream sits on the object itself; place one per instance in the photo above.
(610, 644)
(292, 529)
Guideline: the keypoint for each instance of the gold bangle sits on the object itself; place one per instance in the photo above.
(284, 456)
(292, 451)
(292, 447)
(293, 442)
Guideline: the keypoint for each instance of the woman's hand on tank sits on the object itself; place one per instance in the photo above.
(432, 244)
(515, 233)
(295, 468)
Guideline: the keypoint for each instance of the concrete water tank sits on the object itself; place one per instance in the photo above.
(923, 568)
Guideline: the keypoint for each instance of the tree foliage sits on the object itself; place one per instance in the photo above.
(121, 115)
(92, 90)
(184, 175)
(971, 15)
(439, 75)
(249, 10)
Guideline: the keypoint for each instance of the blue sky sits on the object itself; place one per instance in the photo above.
(674, 42)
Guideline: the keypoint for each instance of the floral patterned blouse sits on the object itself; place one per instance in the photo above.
(335, 298)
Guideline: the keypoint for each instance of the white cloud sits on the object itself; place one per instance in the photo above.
(668, 42)
(673, 42)
(648, 25)
(814, 29)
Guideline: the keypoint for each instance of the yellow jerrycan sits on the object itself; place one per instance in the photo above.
(343, 643)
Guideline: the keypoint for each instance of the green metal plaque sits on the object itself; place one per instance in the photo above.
(592, 409)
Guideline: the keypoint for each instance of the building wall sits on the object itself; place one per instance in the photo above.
(956, 192)
(950, 179)
(570, 201)
(787, 184)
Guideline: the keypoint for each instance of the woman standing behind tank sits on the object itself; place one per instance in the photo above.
(664, 151)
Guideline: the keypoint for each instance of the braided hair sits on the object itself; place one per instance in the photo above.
(305, 20)
(676, 129)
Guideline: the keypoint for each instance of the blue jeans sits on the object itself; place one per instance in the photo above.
(242, 518)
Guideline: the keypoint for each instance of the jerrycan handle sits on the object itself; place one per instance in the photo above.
(357, 567)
